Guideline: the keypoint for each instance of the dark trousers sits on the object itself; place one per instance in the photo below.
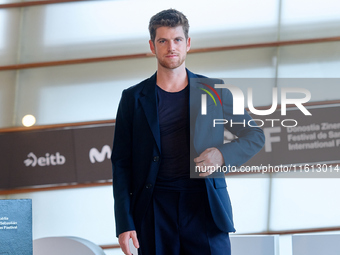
(180, 223)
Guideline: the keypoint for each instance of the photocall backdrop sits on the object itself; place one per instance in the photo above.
(72, 155)
(82, 154)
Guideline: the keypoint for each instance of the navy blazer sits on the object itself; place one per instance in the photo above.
(137, 152)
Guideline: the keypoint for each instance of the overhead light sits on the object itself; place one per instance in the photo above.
(28, 120)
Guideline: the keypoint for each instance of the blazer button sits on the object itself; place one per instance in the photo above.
(156, 158)
(148, 186)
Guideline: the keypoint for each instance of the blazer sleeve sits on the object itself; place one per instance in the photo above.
(249, 139)
(122, 166)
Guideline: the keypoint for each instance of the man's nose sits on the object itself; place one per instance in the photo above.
(171, 45)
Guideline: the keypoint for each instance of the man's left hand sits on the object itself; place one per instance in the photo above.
(209, 157)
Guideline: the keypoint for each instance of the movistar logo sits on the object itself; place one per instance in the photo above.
(96, 156)
(47, 160)
(204, 97)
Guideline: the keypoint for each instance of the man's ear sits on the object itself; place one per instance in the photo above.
(152, 47)
(188, 44)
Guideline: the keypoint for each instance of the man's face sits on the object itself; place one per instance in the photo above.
(170, 46)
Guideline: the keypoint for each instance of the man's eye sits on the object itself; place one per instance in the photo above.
(178, 40)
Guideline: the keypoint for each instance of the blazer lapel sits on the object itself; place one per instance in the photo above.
(149, 103)
(194, 100)
(201, 128)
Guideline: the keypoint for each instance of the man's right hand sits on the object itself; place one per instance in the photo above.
(124, 238)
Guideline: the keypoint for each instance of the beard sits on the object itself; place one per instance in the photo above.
(171, 63)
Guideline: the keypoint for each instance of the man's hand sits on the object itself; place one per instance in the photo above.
(123, 240)
(209, 157)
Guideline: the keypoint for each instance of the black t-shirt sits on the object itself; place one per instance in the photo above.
(173, 112)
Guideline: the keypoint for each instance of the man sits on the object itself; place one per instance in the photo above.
(157, 204)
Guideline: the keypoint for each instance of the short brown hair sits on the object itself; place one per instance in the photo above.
(168, 18)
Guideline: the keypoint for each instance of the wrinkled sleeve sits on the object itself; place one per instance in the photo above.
(121, 159)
